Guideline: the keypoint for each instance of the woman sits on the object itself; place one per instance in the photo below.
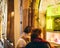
(25, 38)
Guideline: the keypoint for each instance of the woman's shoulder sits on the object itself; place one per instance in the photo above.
(21, 42)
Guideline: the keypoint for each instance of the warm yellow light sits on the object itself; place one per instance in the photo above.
(12, 13)
(49, 24)
(36, 4)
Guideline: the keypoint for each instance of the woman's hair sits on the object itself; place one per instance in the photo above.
(27, 29)
(35, 33)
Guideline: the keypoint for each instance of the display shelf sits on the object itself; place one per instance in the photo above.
(55, 44)
(53, 37)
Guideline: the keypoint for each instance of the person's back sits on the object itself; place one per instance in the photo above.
(37, 41)
(37, 45)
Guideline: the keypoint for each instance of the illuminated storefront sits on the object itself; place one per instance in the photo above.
(53, 24)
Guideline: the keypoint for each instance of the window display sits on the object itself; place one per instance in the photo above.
(53, 37)
(53, 24)
(57, 24)
(53, 18)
